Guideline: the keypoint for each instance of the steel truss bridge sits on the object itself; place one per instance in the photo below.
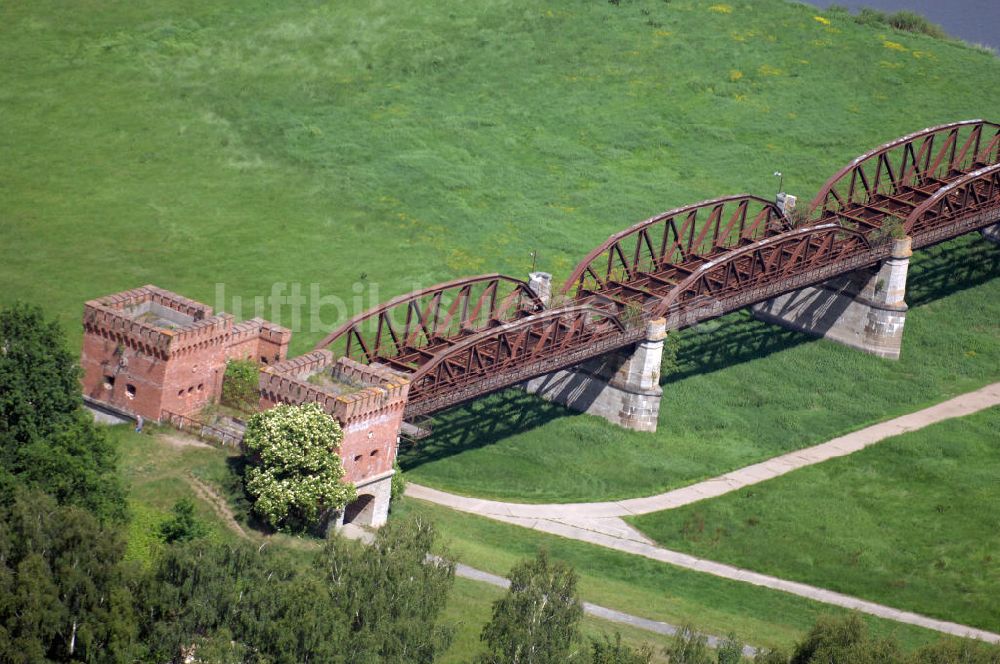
(466, 338)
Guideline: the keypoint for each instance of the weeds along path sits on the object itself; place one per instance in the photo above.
(601, 523)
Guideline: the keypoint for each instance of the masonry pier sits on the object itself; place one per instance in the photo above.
(865, 309)
(622, 387)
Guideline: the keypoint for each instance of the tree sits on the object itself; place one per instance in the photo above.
(202, 597)
(354, 605)
(63, 595)
(835, 640)
(47, 440)
(536, 621)
(688, 647)
(392, 594)
(957, 651)
(239, 384)
(294, 470)
(616, 652)
(39, 379)
(183, 526)
(730, 651)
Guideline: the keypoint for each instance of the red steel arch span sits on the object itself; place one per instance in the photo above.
(466, 338)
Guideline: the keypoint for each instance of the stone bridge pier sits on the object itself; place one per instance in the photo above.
(622, 387)
(865, 309)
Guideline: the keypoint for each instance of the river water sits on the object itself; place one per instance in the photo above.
(975, 21)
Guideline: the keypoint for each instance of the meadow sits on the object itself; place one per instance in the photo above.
(217, 149)
(349, 153)
(910, 522)
(357, 151)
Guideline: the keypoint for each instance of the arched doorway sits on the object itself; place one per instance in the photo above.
(361, 511)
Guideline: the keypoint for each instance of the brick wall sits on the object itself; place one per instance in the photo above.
(133, 364)
(370, 415)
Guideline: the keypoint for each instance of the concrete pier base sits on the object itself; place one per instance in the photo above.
(622, 387)
(992, 233)
(864, 310)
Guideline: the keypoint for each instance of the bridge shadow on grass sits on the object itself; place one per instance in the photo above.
(480, 423)
(934, 272)
(950, 267)
(727, 341)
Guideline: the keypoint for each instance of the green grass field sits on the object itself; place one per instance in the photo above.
(760, 616)
(219, 149)
(744, 391)
(910, 522)
(192, 144)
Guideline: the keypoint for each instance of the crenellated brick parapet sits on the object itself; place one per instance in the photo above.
(259, 340)
(131, 298)
(368, 402)
(352, 371)
(353, 392)
(304, 365)
(156, 322)
(148, 351)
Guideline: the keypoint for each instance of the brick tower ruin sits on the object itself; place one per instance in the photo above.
(152, 353)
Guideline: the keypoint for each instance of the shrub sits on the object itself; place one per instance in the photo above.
(906, 21)
(183, 526)
(892, 228)
(397, 485)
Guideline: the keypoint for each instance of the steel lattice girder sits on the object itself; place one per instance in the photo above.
(926, 159)
(675, 237)
(426, 318)
(974, 192)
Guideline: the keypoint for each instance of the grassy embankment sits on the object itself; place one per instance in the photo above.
(911, 522)
(372, 148)
(158, 474)
(391, 146)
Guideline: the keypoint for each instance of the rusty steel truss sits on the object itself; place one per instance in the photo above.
(469, 337)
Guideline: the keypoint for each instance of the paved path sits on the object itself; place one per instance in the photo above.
(600, 523)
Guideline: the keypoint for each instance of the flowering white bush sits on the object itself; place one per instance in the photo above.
(294, 470)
